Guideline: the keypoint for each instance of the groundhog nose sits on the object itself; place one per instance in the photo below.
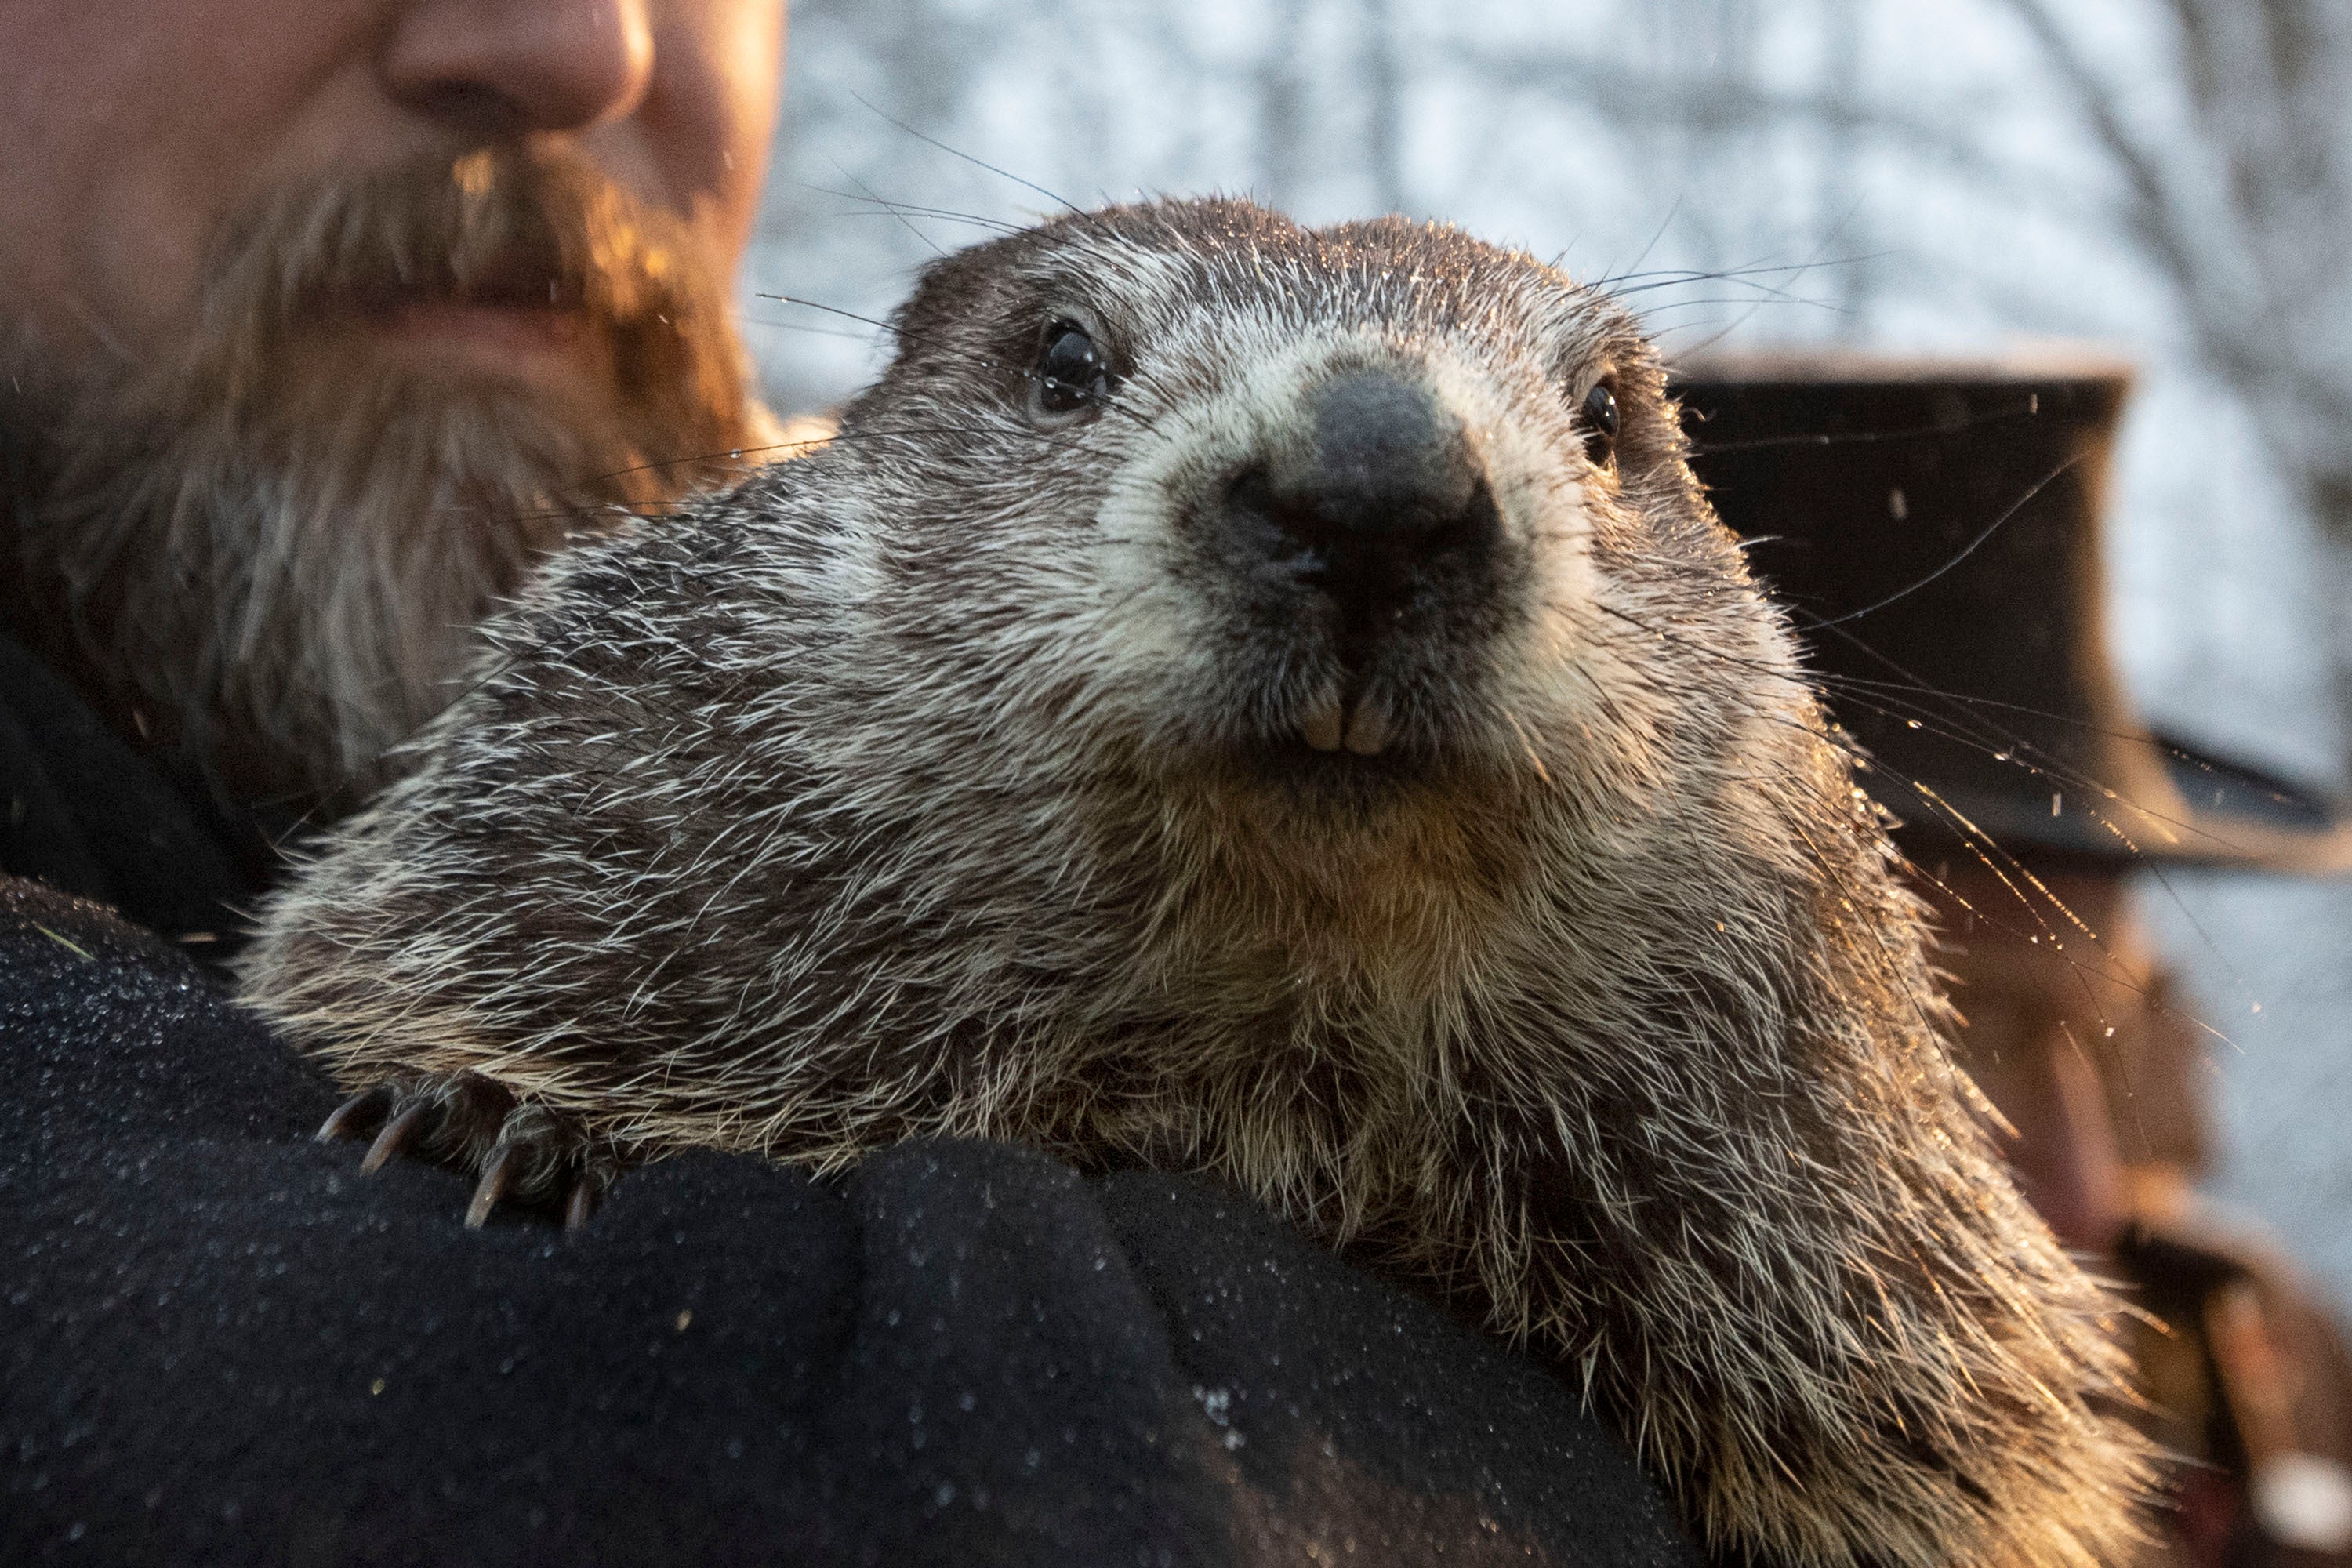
(1384, 493)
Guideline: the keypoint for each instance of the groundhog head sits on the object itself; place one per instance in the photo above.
(1317, 525)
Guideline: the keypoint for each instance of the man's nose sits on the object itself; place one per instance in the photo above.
(508, 67)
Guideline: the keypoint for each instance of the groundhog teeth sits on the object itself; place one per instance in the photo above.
(1368, 727)
(1321, 726)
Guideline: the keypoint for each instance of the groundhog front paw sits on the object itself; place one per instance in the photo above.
(521, 1152)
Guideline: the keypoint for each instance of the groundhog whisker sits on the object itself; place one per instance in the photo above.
(1955, 720)
(2023, 408)
(890, 208)
(2024, 753)
(1966, 550)
(2010, 871)
(809, 329)
(1649, 316)
(1979, 843)
(1624, 287)
(966, 157)
(786, 450)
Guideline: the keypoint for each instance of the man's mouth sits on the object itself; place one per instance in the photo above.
(512, 316)
(495, 329)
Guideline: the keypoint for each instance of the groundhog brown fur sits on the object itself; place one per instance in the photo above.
(1271, 702)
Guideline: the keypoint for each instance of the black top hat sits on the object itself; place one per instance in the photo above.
(1933, 528)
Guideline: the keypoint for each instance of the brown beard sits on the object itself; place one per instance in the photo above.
(274, 547)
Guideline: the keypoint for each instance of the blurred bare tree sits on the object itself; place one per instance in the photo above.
(2235, 182)
(2248, 216)
(1659, 140)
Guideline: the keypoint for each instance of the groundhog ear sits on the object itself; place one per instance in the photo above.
(954, 296)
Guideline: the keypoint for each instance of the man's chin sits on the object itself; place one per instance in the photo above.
(290, 582)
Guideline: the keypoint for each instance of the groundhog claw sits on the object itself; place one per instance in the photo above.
(580, 1201)
(496, 1177)
(523, 1152)
(393, 1138)
(352, 1118)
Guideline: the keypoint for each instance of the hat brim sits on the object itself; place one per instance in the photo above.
(2206, 810)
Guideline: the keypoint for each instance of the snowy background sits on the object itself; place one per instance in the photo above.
(2170, 176)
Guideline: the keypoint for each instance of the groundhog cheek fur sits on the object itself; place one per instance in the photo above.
(982, 774)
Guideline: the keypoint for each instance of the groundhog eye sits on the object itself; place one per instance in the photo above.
(1073, 373)
(1600, 424)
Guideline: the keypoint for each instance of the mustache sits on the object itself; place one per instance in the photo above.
(505, 226)
(276, 540)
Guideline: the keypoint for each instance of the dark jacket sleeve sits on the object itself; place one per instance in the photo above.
(86, 811)
(219, 1343)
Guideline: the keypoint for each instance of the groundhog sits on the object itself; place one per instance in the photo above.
(1272, 702)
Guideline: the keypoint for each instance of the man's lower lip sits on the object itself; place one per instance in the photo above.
(495, 329)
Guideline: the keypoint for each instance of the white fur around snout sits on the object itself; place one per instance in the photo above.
(1168, 639)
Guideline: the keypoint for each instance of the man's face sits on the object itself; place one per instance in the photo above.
(137, 129)
(324, 322)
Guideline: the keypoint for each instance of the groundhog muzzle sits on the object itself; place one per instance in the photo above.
(1271, 702)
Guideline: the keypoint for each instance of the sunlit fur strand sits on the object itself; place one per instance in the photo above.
(888, 797)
